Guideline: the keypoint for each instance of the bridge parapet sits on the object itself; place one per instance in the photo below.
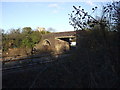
(60, 34)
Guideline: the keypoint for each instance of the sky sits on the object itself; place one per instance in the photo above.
(41, 14)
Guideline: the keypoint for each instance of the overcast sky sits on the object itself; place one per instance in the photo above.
(41, 14)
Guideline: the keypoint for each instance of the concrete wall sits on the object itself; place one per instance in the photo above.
(61, 46)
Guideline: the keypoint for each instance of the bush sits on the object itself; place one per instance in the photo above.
(25, 39)
(100, 56)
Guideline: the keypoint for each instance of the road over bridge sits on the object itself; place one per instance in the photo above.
(57, 42)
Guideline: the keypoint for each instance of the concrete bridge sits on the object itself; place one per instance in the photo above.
(57, 42)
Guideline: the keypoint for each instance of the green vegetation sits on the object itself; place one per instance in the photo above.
(21, 38)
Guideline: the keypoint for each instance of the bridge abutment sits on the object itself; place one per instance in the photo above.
(55, 42)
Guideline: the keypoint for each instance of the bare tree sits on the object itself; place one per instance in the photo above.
(80, 19)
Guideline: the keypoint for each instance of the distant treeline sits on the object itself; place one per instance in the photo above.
(21, 38)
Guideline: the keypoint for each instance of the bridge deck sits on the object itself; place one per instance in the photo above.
(60, 34)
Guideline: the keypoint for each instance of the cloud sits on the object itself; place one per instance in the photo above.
(55, 11)
(53, 5)
(56, 8)
(90, 3)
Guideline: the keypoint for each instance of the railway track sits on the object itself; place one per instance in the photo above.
(22, 64)
(38, 69)
(23, 58)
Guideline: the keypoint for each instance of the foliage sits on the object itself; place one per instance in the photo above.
(44, 32)
(36, 36)
(17, 39)
(51, 29)
(97, 46)
(27, 30)
(113, 11)
(80, 19)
